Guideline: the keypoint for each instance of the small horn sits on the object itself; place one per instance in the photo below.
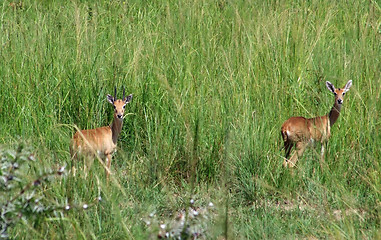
(123, 94)
(115, 94)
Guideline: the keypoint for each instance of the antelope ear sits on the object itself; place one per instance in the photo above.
(348, 85)
(128, 98)
(110, 99)
(330, 86)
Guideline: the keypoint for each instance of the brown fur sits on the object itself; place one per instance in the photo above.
(100, 141)
(300, 131)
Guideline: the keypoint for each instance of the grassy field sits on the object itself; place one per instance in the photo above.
(213, 82)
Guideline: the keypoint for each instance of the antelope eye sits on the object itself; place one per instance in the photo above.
(343, 93)
(335, 93)
(114, 107)
(124, 106)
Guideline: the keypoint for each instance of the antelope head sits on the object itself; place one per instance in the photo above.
(340, 92)
(119, 104)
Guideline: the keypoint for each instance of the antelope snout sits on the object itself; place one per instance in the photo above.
(340, 101)
(120, 116)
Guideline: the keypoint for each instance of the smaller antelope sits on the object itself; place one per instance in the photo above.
(101, 141)
(300, 131)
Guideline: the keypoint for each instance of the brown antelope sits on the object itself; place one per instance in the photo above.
(101, 141)
(300, 131)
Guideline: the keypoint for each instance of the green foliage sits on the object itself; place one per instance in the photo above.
(212, 81)
(22, 199)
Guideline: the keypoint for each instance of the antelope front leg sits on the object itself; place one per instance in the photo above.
(322, 153)
(74, 159)
(108, 164)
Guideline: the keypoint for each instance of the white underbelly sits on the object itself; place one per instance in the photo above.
(312, 142)
(89, 152)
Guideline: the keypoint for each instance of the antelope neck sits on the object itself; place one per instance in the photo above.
(334, 113)
(116, 128)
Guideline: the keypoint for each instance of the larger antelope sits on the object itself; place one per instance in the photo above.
(300, 131)
(101, 141)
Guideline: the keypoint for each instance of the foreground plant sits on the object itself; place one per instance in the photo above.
(192, 223)
(22, 199)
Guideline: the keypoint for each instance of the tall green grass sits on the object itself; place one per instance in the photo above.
(212, 81)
